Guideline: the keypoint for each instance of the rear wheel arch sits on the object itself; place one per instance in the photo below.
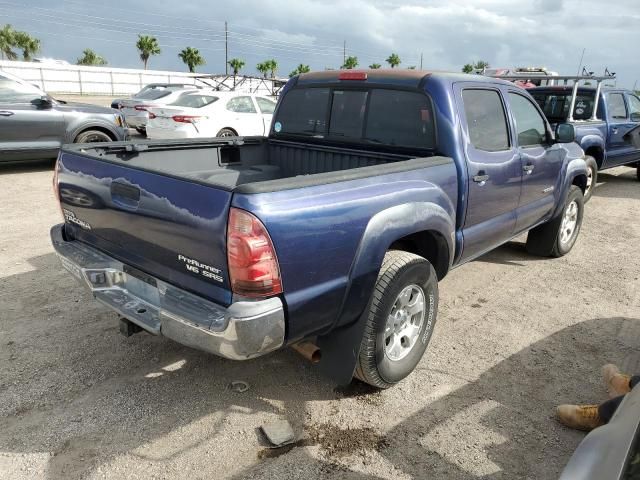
(597, 153)
(428, 244)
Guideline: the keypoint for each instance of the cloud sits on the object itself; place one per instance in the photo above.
(448, 33)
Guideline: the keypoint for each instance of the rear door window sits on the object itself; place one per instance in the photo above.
(241, 105)
(486, 120)
(266, 106)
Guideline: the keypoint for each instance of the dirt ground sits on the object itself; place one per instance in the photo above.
(515, 336)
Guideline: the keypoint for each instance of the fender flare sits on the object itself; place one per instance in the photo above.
(575, 168)
(341, 345)
(591, 141)
(72, 134)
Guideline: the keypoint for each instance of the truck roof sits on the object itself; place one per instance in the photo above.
(569, 88)
(397, 77)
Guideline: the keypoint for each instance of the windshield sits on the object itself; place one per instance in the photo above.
(380, 116)
(194, 100)
(555, 105)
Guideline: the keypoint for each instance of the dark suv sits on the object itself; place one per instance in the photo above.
(33, 125)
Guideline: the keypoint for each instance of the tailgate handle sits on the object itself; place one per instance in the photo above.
(125, 195)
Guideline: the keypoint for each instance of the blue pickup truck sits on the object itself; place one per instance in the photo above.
(330, 233)
(606, 121)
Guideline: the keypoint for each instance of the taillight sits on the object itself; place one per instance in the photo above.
(253, 265)
(152, 116)
(56, 186)
(142, 108)
(185, 118)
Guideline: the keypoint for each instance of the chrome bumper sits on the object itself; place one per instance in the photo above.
(241, 331)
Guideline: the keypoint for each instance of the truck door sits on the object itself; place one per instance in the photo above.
(541, 161)
(634, 117)
(493, 166)
(620, 149)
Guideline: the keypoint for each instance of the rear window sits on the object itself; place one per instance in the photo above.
(556, 105)
(194, 100)
(378, 116)
(154, 94)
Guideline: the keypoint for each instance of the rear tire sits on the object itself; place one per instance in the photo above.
(227, 132)
(400, 321)
(141, 131)
(638, 172)
(592, 177)
(557, 237)
(93, 136)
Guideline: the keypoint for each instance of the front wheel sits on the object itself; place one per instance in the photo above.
(226, 132)
(401, 318)
(93, 136)
(557, 237)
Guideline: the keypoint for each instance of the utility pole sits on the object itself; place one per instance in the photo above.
(226, 49)
(344, 52)
(420, 60)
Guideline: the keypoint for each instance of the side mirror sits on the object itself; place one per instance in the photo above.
(565, 133)
(44, 101)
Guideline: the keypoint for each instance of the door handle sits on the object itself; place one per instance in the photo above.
(528, 169)
(614, 130)
(481, 178)
(5, 113)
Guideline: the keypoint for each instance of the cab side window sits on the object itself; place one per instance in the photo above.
(616, 106)
(634, 108)
(241, 105)
(486, 120)
(530, 126)
(12, 92)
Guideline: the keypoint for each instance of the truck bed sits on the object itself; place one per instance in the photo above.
(231, 164)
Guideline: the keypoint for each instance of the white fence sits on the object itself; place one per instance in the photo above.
(81, 80)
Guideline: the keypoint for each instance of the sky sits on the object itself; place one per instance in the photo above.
(446, 33)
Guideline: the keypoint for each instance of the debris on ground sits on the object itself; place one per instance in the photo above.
(239, 386)
(278, 432)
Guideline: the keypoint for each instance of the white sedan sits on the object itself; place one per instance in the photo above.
(204, 114)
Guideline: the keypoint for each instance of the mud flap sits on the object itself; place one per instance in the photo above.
(340, 349)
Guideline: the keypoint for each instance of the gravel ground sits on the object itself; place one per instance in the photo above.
(515, 336)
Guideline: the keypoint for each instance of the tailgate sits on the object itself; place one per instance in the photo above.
(170, 228)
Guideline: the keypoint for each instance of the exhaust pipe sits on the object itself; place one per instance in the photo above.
(308, 350)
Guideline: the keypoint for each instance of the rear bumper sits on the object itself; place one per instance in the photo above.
(241, 331)
(169, 134)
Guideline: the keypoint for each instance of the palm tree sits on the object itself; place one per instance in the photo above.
(7, 42)
(467, 68)
(375, 66)
(350, 62)
(192, 58)
(393, 60)
(147, 45)
(273, 66)
(28, 44)
(236, 64)
(300, 69)
(263, 68)
(89, 57)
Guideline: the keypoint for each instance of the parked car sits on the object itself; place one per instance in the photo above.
(331, 234)
(612, 451)
(135, 108)
(117, 103)
(610, 134)
(205, 114)
(34, 125)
